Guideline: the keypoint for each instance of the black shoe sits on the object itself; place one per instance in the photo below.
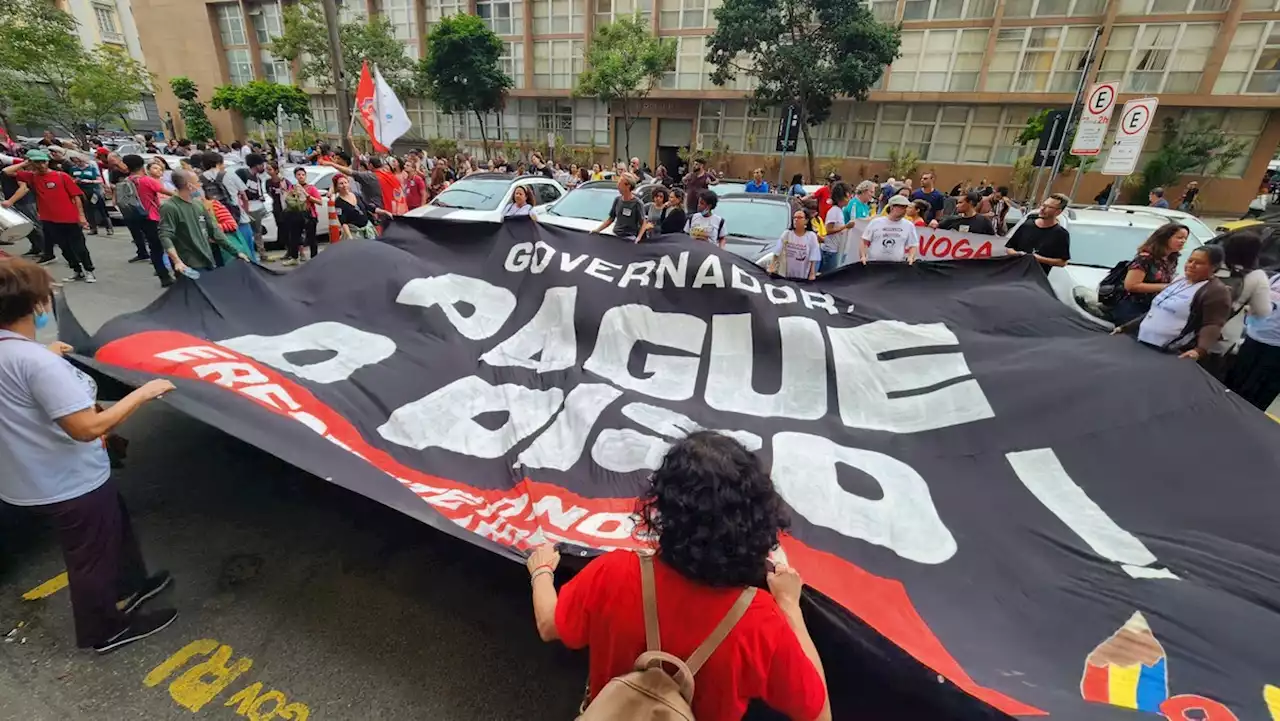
(150, 589)
(140, 626)
(47, 261)
(33, 253)
(110, 231)
(166, 281)
(140, 259)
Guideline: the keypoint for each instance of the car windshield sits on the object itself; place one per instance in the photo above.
(1103, 246)
(588, 203)
(723, 188)
(754, 218)
(474, 194)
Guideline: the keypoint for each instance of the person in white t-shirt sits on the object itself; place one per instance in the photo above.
(796, 254)
(705, 224)
(836, 240)
(890, 237)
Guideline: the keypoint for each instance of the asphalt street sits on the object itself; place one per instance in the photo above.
(297, 599)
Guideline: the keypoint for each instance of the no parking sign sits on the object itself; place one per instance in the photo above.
(1131, 134)
(1099, 104)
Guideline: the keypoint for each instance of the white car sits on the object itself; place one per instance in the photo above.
(586, 206)
(1199, 230)
(483, 196)
(1100, 239)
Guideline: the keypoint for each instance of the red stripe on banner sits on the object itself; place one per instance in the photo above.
(533, 512)
(1096, 684)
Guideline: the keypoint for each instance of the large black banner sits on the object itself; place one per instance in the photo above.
(999, 510)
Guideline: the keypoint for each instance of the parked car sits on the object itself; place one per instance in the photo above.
(583, 208)
(1100, 239)
(1269, 258)
(483, 196)
(753, 221)
(729, 186)
(1198, 228)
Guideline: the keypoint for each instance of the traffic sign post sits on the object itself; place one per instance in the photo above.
(1131, 135)
(788, 136)
(1099, 105)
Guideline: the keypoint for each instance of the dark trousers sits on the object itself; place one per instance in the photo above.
(150, 230)
(1255, 375)
(95, 210)
(299, 228)
(104, 563)
(37, 230)
(70, 238)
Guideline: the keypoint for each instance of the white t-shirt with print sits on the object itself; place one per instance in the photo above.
(890, 239)
(834, 242)
(704, 227)
(796, 254)
(1170, 310)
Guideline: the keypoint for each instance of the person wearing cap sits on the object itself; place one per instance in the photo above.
(60, 207)
(891, 237)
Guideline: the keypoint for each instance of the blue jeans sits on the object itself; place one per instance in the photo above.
(246, 234)
(830, 261)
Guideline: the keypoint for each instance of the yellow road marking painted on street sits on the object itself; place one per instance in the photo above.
(200, 684)
(48, 588)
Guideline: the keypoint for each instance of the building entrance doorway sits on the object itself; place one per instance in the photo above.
(673, 134)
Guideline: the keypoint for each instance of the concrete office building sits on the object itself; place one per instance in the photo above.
(109, 22)
(970, 74)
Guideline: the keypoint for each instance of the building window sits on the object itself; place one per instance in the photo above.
(276, 70)
(440, 9)
(324, 113)
(267, 25)
(352, 11)
(239, 66)
(948, 9)
(1039, 60)
(1144, 7)
(231, 25)
(138, 111)
(403, 15)
(1252, 64)
(558, 16)
(609, 10)
(884, 10)
(512, 62)
(691, 72)
(1157, 58)
(556, 63)
(555, 116)
(677, 14)
(1262, 5)
(939, 60)
(1053, 8)
(108, 28)
(504, 17)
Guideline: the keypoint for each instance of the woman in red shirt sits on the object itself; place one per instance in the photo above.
(716, 516)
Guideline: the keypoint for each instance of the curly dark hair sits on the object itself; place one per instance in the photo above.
(714, 511)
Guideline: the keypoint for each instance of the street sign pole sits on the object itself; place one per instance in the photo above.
(787, 136)
(1115, 190)
(1076, 183)
(1080, 88)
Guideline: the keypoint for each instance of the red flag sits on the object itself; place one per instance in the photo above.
(366, 106)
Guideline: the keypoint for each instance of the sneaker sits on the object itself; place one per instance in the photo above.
(33, 253)
(139, 259)
(140, 626)
(150, 589)
(110, 231)
(289, 261)
(89, 277)
(166, 281)
(72, 279)
(47, 261)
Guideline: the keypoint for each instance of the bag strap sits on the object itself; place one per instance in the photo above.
(648, 591)
(709, 646)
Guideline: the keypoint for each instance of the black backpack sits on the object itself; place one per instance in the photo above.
(1111, 289)
(215, 190)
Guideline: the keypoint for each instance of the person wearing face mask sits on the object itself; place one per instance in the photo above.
(1187, 316)
(705, 224)
(53, 460)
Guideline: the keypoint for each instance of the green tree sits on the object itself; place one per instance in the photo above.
(807, 52)
(195, 120)
(258, 101)
(1034, 128)
(47, 78)
(306, 39)
(624, 63)
(1186, 148)
(462, 72)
